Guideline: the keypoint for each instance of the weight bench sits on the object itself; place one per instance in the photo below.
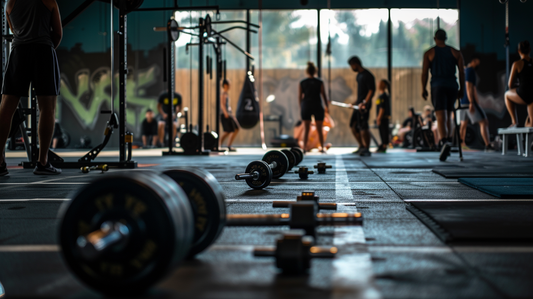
(520, 132)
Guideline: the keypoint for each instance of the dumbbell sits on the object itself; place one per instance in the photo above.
(294, 251)
(291, 157)
(321, 167)
(259, 174)
(307, 196)
(303, 172)
(299, 154)
(121, 234)
(87, 169)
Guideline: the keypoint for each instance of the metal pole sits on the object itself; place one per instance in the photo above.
(112, 34)
(319, 48)
(218, 51)
(507, 44)
(123, 64)
(170, 90)
(389, 49)
(248, 37)
(201, 88)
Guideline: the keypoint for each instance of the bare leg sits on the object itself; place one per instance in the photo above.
(307, 126)
(442, 123)
(484, 128)
(451, 124)
(365, 137)
(54, 143)
(154, 140)
(529, 121)
(319, 129)
(174, 130)
(462, 131)
(145, 142)
(47, 121)
(7, 109)
(161, 132)
(512, 98)
(233, 135)
(357, 136)
(224, 136)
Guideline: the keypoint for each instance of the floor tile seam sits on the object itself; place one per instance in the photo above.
(397, 194)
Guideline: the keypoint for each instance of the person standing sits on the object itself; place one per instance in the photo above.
(523, 94)
(149, 129)
(366, 87)
(443, 62)
(383, 112)
(309, 97)
(474, 112)
(230, 125)
(162, 107)
(37, 32)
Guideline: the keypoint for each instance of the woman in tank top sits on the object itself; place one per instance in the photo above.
(309, 93)
(521, 85)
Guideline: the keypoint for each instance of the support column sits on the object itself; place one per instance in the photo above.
(123, 77)
(318, 48)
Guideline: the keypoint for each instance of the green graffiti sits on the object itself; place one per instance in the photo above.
(92, 92)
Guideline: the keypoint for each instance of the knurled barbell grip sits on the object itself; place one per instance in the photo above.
(97, 242)
(242, 176)
(339, 219)
(322, 205)
(257, 220)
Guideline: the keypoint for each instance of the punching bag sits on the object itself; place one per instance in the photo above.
(248, 107)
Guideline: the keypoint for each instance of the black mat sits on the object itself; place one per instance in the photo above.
(497, 172)
(471, 222)
(515, 188)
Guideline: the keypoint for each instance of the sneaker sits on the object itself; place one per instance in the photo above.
(465, 147)
(365, 153)
(358, 150)
(3, 169)
(231, 149)
(489, 149)
(381, 150)
(48, 169)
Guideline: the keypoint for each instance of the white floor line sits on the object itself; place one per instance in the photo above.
(445, 249)
(32, 199)
(352, 275)
(464, 200)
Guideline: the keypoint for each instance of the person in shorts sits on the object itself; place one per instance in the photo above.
(230, 125)
(162, 108)
(474, 113)
(311, 92)
(366, 87)
(37, 32)
(149, 129)
(443, 61)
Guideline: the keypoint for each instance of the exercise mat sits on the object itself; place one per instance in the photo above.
(515, 188)
(496, 172)
(477, 221)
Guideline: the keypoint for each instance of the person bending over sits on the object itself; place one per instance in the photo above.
(149, 129)
(37, 31)
(523, 94)
(443, 60)
(230, 125)
(309, 93)
(366, 87)
(383, 114)
(162, 107)
(474, 112)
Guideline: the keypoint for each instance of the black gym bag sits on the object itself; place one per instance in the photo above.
(248, 106)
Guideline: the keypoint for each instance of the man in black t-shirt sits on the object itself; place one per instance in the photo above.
(162, 107)
(366, 87)
(149, 129)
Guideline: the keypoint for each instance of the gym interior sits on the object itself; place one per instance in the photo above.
(194, 211)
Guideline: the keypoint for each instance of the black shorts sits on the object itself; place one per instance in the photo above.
(443, 98)
(309, 110)
(359, 120)
(229, 124)
(35, 64)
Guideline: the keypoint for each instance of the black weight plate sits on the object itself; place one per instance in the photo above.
(207, 200)
(299, 154)
(158, 215)
(189, 142)
(210, 141)
(291, 157)
(265, 174)
(281, 161)
(208, 25)
(172, 29)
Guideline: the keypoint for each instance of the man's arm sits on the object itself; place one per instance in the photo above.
(300, 95)
(461, 66)
(513, 74)
(425, 76)
(223, 100)
(57, 28)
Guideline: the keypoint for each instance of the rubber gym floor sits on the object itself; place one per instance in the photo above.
(393, 255)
